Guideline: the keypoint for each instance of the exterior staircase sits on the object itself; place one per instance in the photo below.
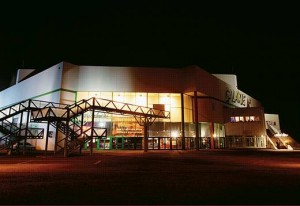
(68, 119)
(281, 141)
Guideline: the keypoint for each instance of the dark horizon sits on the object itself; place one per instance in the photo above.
(258, 44)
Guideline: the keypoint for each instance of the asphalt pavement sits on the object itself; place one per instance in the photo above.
(216, 177)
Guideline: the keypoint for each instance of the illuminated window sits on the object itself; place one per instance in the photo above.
(175, 114)
(141, 99)
(175, 100)
(106, 95)
(82, 95)
(164, 99)
(129, 97)
(237, 119)
(118, 96)
(232, 119)
(152, 99)
(188, 101)
(241, 118)
(94, 94)
(251, 118)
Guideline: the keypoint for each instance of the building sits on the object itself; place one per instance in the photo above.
(71, 108)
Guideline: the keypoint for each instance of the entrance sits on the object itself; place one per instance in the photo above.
(117, 143)
(205, 142)
(98, 143)
(153, 143)
(103, 143)
(189, 143)
(133, 143)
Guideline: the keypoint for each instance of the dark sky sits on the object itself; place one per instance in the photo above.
(259, 43)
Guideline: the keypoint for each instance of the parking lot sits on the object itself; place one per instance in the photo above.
(154, 177)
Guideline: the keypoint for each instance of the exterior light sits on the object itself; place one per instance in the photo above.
(174, 134)
(281, 135)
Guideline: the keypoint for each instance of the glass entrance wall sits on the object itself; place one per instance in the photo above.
(126, 126)
(115, 143)
(104, 143)
(205, 135)
(190, 143)
(219, 135)
(153, 143)
(245, 142)
(165, 143)
(163, 133)
(189, 125)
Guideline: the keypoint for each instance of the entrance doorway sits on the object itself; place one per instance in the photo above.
(133, 143)
(117, 142)
(153, 143)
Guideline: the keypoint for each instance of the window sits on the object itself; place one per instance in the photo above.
(232, 119)
(244, 119)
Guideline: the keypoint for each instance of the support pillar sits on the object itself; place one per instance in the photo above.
(56, 136)
(47, 136)
(212, 140)
(182, 122)
(145, 137)
(92, 129)
(66, 139)
(67, 135)
(26, 127)
(81, 132)
(196, 120)
(20, 132)
(21, 121)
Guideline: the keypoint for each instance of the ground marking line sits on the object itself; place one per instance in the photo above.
(26, 162)
(96, 163)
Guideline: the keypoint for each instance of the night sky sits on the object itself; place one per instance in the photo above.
(259, 43)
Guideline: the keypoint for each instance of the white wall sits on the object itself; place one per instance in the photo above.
(169, 80)
(44, 82)
(123, 79)
(129, 79)
(228, 78)
(272, 119)
(238, 98)
(104, 79)
(23, 73)
(70, 76)
(197, 79)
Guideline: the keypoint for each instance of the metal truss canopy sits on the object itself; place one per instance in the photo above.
(61, 113)
(65, 119)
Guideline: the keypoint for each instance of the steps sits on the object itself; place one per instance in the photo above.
(68, 119)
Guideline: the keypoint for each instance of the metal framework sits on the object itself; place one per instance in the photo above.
(68, 119)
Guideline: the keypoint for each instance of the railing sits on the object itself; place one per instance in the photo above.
(63, 112)
(13, 109)
(87, 135)
(75, 133)
(33, 133)
(272, 143)
(8, 127)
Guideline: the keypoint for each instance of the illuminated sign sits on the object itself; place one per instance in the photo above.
(237, 98)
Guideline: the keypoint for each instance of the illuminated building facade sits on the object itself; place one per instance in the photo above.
(205, 111)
